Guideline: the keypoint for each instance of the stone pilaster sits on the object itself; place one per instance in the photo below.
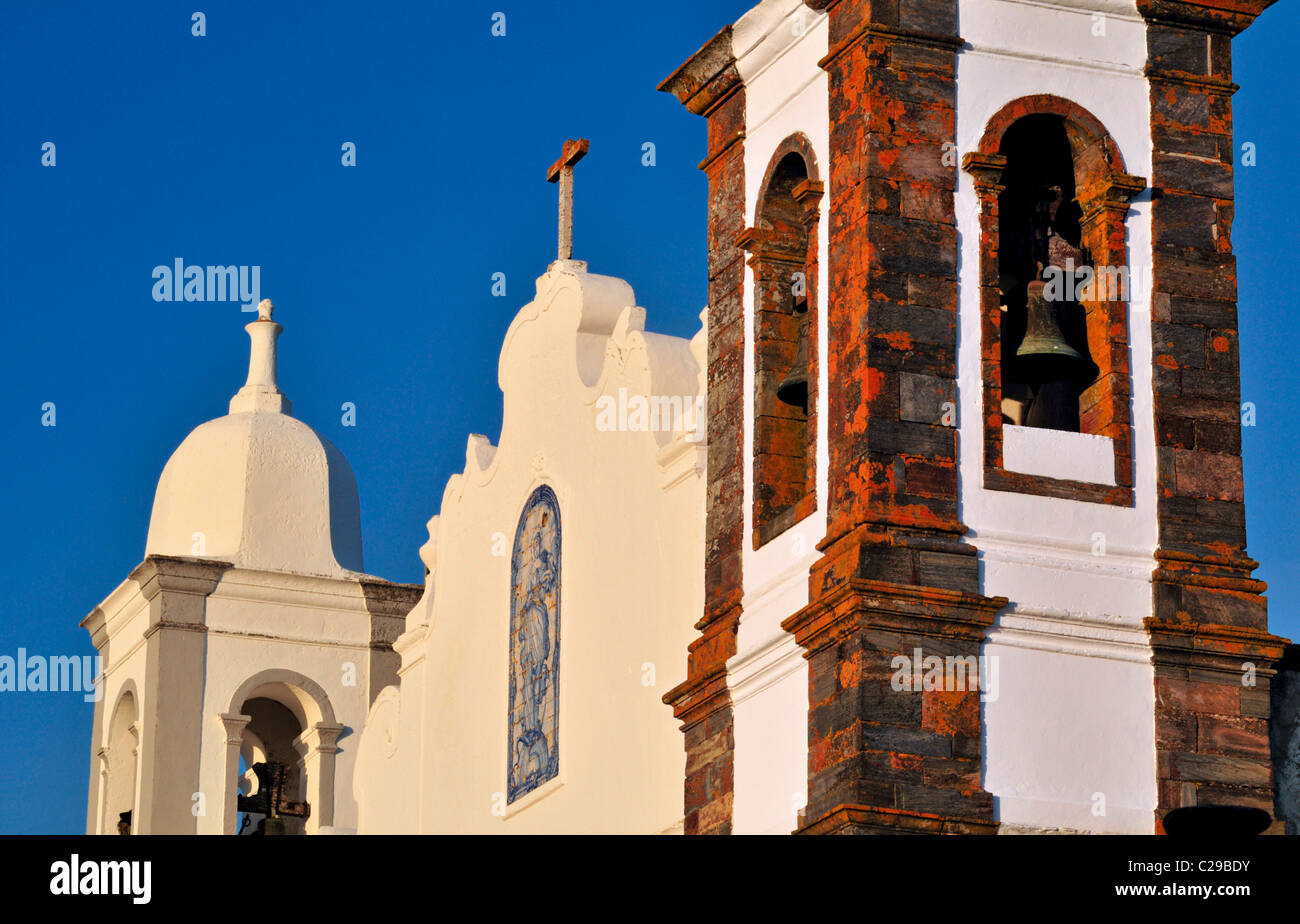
(709, 85)
(884, 759)
(177, 590)
(895, 576)
(1212, 650)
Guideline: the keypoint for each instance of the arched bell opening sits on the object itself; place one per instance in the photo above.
(1042, 257)
(119, 759)
(1053, 289)
(273, 780)
(782, 246)
(281, 746)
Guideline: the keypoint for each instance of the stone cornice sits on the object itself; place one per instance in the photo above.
(1223, 572)
(933, 611)
(878, 820)
(410, 645)
(868, 31)
(196, 576)
(384, 598)
(158, 573)
(172, 579)
(1213, 647)
(1228, 17)
(738, 138)
(708, 77)
(696, 699)
(96, 624)
(721, 608)
(361, 593)
(705, 690)
(986, 169)
(764, 244)
(1111, 194)
(111, 606)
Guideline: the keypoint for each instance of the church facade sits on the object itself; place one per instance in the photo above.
(936, 526)
(560, 565)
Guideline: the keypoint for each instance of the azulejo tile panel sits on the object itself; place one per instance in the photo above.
(534, 721)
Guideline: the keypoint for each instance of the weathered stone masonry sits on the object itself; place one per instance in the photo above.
(709, 85)
(894, 576)
(1209, 619)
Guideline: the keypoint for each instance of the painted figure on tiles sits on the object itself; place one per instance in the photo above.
(535, 645)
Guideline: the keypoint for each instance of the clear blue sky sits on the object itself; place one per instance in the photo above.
(226, 150)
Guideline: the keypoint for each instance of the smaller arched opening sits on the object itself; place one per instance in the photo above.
(271, 763)
(119, 759)
(783, 256)
(281, 737)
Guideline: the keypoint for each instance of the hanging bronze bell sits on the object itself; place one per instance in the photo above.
(1043, 335)
(793, 389)
(1048, 365)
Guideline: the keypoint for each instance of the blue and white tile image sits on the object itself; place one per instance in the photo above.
(534, 721)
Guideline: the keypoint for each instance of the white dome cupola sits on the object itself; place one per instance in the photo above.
(256, 487)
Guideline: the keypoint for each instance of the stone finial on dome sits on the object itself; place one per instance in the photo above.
(262, 490)
(261, 393)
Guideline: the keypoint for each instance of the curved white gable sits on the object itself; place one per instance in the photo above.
(433, 755)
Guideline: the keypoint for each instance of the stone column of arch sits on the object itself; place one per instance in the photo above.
(234, 725)
(1104, 407)
(102, 754)
(320, 745)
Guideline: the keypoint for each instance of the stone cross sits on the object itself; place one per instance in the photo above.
(562, 171)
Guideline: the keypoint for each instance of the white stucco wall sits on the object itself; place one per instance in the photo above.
(632, 523)
(1073, 726)
(777, 47)
(305, 636)
(124, 615)
(275, 626)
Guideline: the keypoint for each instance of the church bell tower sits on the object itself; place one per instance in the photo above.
(240, 657)
(987, 571)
